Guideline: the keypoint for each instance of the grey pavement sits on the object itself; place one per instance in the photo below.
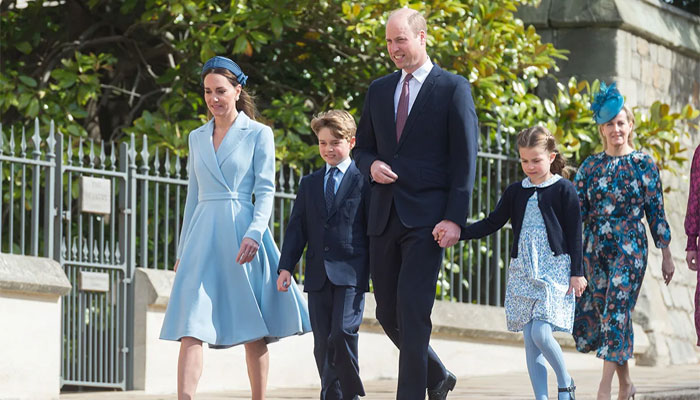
(679, 382)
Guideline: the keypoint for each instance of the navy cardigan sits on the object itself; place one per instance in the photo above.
(560, 210)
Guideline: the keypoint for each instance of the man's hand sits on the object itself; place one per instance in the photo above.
(381, 172)
(284, 280)
(691, 257)
(177, 263)
(446, 233)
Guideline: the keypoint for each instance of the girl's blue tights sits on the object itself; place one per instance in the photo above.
(540, 345)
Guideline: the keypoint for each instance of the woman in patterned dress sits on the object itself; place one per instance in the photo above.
(692, 229)
(616, 188)
(545, 272)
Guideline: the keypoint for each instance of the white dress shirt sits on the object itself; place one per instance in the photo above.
(414, 84)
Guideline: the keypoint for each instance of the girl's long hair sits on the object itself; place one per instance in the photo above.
(539, 136)
(246, 101)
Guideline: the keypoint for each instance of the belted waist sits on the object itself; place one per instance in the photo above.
(225, 196)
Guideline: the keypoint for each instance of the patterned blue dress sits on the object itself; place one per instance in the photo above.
(615, 192)
(537, 279)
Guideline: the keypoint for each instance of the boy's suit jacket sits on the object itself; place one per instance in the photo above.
(337, 240)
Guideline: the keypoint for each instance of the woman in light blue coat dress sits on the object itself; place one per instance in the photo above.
(225, 291)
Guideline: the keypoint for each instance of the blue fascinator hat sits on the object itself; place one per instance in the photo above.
(227, 63)
(607, 103)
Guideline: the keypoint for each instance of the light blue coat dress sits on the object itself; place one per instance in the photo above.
(215, 299)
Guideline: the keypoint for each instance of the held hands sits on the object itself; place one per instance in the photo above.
(246, 253)
(284, 280)
(577, 284)
(381, 172)
(691, 257)
(446, 233)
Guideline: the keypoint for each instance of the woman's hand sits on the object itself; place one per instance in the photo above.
(577, 284)
(667, 265)
(284, 280)
(691, 257)
(246, 253)
(177, 262)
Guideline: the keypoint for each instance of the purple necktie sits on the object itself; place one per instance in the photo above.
(402, 110)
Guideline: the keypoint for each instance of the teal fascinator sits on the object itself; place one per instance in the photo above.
(607, 103)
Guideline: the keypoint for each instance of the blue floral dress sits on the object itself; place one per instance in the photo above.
(615, 193)
(537, 279)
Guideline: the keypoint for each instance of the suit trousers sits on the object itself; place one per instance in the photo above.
(336, 315)
(404, 266)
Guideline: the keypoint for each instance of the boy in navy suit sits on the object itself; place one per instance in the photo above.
(329, 215)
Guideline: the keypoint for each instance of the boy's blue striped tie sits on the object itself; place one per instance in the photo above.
(330, 188)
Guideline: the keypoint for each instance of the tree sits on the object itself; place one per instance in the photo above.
(102, 69)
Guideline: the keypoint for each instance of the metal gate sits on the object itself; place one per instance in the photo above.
(92, 249)
(40, 216)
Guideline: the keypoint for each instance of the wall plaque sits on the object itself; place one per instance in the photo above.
(95, 195)
(93, 281)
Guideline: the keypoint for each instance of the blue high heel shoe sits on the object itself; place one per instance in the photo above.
(571, 389)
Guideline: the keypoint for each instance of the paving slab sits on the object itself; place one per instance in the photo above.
(680, 382)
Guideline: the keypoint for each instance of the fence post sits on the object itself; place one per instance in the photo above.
(496, 254)
(144, 203)
(49, 194)
(36, 190)
(54, 186)
(126, 212)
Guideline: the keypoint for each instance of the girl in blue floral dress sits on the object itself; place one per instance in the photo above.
(545, 271)
(616, 188)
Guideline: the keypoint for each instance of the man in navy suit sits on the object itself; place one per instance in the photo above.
(330, 215)
(417, 141)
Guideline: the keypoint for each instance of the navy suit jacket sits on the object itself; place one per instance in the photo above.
(337, 240)
(435, 158)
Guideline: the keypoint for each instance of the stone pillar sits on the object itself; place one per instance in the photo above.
(155, 360)
(30, 305)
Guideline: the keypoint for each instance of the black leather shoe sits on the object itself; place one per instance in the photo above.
(440, 391)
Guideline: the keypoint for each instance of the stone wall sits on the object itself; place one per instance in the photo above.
(30, 306)
(471, 340)
(652, 51)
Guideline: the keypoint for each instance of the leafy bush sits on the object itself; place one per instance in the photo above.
(104, 70)
(658, 132)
